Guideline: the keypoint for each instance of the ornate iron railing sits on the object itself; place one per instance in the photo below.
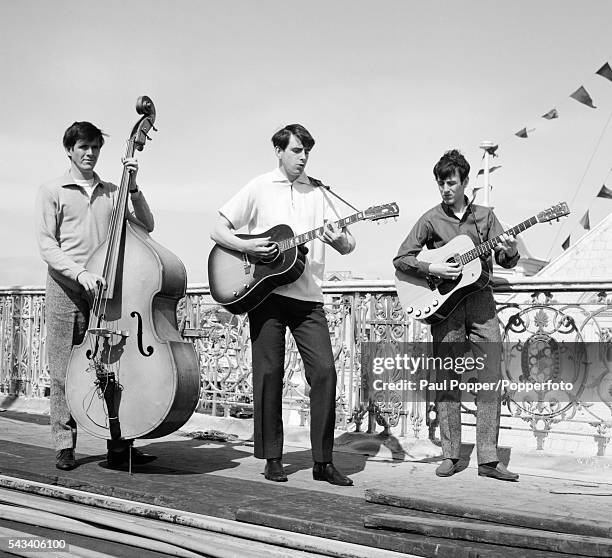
(357, 311)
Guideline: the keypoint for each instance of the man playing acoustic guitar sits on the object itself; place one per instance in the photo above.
(474, 319)
(286, 195)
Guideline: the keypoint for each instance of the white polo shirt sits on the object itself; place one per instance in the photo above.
(271, 199)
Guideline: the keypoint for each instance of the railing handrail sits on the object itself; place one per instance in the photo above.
(500, 285)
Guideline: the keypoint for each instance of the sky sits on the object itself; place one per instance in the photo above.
(385, 88)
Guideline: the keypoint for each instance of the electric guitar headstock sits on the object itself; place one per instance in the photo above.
(554, 212)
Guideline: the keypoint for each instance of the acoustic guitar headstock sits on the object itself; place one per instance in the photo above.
(379, 212)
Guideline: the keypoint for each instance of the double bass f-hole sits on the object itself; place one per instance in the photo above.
(92, 354)
(149, 350)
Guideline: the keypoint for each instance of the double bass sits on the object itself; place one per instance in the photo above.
(133, 376)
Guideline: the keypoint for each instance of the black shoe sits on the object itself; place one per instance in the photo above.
(447, 468)
(65, 460)
(119, 459)
(274, 470)
(327, 472)
(498, 472)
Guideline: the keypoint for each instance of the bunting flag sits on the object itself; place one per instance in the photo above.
(605, 71)
(605, 192)
(492, 150)
(582, 96)
(552, 113)
(586, 224)
(566, 244)
(522, 133)
(492, 169)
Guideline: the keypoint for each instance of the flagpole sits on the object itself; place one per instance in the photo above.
(489, 148)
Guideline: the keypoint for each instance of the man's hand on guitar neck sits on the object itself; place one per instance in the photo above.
(508, 244)
(445, 270)
(340, 240)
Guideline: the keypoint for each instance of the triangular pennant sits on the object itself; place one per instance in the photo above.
(552, 113)
(586, 224)
(492, 169)
(605, 71)
(566, 244)
(522, 133)
(492, 150)
(582, 96)
(605, 192)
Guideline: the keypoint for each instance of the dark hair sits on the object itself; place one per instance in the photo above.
(82, 131)
(449, 162)
(281, 138)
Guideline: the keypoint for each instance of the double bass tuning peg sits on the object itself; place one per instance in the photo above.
(148, 136)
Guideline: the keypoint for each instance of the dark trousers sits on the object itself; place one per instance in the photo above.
(472, 325)
(67, 318)
(308, 325)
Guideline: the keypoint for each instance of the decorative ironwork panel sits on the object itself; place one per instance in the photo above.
(536, 319)
(23, 369)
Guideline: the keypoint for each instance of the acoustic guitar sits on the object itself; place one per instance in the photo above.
(432, 299)
(240, 282)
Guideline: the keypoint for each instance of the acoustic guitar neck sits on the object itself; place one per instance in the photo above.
(303, 238)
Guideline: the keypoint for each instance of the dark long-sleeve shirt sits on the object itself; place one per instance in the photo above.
(439, 225)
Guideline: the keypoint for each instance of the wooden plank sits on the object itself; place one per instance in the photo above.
(406, 543)
(174, 520)
(493, 533)
(549, 521)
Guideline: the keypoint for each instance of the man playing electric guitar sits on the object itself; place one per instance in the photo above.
(473, 320)
(286, 195)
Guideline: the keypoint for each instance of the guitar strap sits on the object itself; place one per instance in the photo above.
(318, 183)
(489, 266)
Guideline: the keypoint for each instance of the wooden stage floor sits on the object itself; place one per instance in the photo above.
(223, 479)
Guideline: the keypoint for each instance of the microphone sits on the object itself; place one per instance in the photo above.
(318, 183)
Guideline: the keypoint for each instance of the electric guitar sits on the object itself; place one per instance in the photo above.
(240, 282)
(432, 299)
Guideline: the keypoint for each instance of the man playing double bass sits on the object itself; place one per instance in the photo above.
(73, 215)
(287, 196)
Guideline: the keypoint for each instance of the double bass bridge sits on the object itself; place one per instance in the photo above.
(106, 332)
